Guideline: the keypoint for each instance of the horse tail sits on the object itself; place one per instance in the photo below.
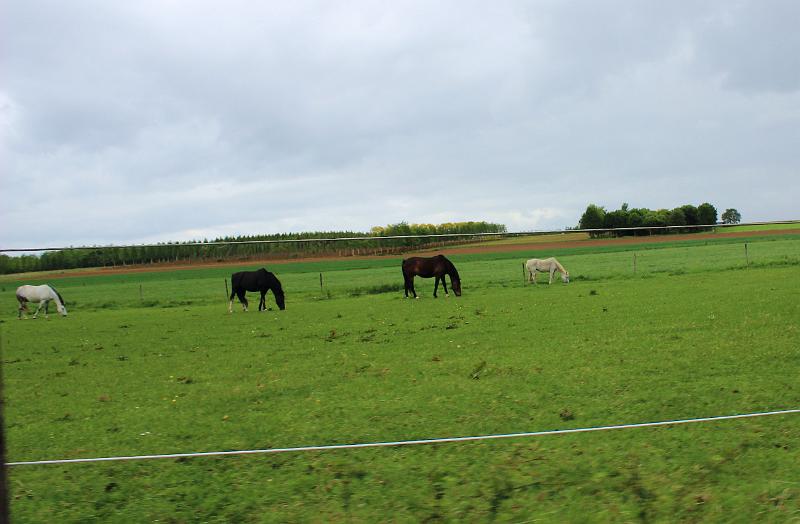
(236, 283)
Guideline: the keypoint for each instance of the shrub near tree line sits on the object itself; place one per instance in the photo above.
(596, 217)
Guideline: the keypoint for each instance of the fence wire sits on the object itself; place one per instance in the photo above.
(390, 237)
(333, 447)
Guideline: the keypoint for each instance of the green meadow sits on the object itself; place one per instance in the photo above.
(153, 363)
(761, 227)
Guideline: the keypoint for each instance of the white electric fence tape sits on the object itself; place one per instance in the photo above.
(402, 442)
(392, 237)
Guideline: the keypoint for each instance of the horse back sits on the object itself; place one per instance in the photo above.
(258, 280)
(33, 293)
(540, 264)
(427, 267)
(419, 266)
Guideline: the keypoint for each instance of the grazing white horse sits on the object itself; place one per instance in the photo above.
(41, 294)
(547, 265)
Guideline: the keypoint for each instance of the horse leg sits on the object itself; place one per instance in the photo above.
(262, 304)
(444, 285)
(39, 308)
(242, 299)
(552, 271)
(435, 286)
(230, 304)
(46, 308)
(411, 286)
(23, 306)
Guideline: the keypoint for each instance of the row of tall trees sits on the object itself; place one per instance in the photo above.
(285, 245)
(596, 217)
(448, 228)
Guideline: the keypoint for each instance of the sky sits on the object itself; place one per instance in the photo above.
(157, 120)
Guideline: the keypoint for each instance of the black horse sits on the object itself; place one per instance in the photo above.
(260, 280)
(437, 266)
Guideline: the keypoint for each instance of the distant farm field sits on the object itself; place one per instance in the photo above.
(152, 363)
(763, 227)
(534, 239)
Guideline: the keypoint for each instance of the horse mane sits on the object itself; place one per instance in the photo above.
(60, 298)
(278, 287)
(559, 266)
(451, 269)
(274, 283)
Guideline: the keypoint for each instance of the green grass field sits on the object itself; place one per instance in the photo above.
(761, 227)
(571, 237)
(152, 363)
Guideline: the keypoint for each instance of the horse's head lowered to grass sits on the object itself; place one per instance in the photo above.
(547, 265)
(280, 296)
(41, 294)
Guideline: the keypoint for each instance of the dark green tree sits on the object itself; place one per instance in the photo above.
(706, 214)
(731, 216)
(593, 217)
(615, 219)
(691, 214)
(636, 216)
(676, 217)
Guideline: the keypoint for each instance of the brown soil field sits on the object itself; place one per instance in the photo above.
(499, 248)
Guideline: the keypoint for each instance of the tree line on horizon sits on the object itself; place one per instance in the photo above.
(247, 247)
(597, 217)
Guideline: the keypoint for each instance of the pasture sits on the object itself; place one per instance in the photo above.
(152, 363)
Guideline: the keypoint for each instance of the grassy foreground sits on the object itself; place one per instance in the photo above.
(153, 363)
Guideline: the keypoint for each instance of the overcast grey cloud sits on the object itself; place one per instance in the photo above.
(166, 120)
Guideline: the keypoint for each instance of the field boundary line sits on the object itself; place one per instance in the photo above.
(444, 440)
(393, 237)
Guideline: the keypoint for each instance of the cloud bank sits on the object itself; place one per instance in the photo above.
(147, 121)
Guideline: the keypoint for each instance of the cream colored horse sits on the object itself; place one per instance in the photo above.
(41, 294)
(547, 265)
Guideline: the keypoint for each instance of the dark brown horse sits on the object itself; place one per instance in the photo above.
(437, 266)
